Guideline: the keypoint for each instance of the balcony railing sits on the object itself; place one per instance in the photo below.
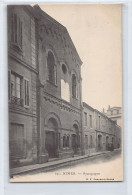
(17, 101)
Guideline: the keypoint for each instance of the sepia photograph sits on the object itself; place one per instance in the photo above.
(65, 92)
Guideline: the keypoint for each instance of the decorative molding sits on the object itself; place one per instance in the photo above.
(61, 103)
(104, 132)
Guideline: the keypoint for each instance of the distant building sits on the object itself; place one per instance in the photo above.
(115, 113)
(99, 131)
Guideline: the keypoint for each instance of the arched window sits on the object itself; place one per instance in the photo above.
(64, 141)
(78, 141)
(52, 71)
(67, 141)
(74, 86)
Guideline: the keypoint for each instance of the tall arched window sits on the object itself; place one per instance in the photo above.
(67, 141)
(52, 72)
(64, 141)
(74, 86)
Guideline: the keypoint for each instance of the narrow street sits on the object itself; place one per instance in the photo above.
(79, 171)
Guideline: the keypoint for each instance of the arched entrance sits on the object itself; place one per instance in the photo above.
(51, 141)
(99, 142)
(107, 142)
(75, 139)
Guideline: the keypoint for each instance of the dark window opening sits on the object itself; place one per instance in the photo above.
(90, 118)
(74, 86)
(64, 141)
(26, 93)
(85, 118)
(16, 140)
(64, 69)
(16, 31)
(52, 71)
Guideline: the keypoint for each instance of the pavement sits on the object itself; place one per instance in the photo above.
(36, 168)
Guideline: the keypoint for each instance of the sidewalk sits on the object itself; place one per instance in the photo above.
(52, 165)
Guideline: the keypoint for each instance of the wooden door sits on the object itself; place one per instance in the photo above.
(50, 144)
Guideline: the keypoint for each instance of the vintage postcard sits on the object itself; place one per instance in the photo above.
(65, 93)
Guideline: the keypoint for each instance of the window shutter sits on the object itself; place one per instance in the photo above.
(12, 28)
(26, 92)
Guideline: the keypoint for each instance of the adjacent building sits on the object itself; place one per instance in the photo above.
(22, 81)
(100, 132)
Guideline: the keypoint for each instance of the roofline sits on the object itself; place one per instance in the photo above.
(115, 107)
(86, 105)
(37, 8)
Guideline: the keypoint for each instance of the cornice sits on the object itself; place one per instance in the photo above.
(61, 104)
(22, 62)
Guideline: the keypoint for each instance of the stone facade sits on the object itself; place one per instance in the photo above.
(22, 79)
(60, 108)
(44, 88)
(100, 132)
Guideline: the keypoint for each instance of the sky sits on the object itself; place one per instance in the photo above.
(96, 33)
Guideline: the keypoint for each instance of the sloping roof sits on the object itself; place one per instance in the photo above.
(39, 11)
(87, 106)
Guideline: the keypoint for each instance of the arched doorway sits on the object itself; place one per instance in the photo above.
(51, 141)
(107, 142)
(99, 142)
(75, 138)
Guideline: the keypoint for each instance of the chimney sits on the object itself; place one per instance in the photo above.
(103, 110)
(109, 107)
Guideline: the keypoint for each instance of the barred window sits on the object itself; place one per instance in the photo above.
(16, 31)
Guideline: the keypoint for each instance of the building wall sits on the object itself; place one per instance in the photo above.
(21, 64)
(89, 130)
(105, 132)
